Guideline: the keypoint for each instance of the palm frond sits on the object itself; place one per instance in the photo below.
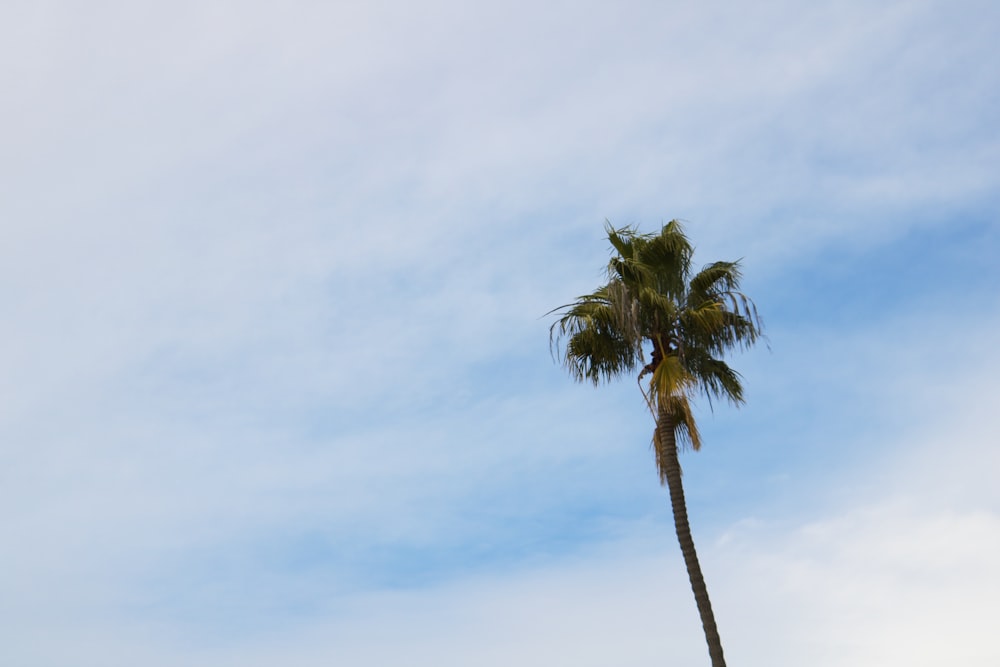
(597, 346)
(714, 377)
(670, 378)
(622, 239)
(714, 279)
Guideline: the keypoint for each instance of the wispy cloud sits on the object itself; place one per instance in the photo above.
(275, 369)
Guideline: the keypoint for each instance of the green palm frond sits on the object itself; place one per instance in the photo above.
(715, 378)
(622, 240)
(597, 346)
(714, 279)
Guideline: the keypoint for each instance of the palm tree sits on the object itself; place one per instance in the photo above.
(691, 319)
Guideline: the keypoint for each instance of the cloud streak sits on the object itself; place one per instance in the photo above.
(275, 376)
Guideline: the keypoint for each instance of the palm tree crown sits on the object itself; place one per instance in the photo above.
(691, 319)
(653, 297)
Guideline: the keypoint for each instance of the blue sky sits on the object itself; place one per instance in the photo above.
(277, 386)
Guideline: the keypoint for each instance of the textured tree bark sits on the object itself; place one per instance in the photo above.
(672, 469)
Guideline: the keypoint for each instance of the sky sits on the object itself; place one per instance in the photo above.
(277, 385)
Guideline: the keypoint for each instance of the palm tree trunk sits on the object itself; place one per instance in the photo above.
(672, 472)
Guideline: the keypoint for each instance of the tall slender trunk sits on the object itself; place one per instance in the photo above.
(672, 471)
